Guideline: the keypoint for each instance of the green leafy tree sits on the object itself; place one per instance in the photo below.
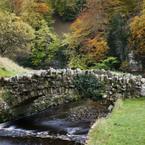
(14, 33)
(4, 5)
(118, 37)
(68, 9)
(36, 12)
(30, 11)
(45, 46)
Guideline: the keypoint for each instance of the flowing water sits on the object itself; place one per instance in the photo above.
(64, 125)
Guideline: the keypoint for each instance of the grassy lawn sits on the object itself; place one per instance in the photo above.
(9, 68)
(125, 126)
(5, 73)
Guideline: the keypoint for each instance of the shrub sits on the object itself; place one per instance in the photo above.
(124, 66)
(88, 86)
(111, 63)
(77, 61)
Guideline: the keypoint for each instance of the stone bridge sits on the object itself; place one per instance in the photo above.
(30, 93)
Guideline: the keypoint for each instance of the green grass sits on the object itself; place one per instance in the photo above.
(9, 68)
(5, 73)
(125, 126)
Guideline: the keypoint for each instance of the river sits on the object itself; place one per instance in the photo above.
(67, 124)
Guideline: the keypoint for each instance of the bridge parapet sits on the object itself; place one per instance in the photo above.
(46, 88)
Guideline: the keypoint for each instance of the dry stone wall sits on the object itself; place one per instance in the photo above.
(36, 91)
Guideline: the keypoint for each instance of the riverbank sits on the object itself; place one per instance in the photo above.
(125, 126)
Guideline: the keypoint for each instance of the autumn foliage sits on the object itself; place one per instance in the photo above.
(88, 31)
(137, 27)
(17, 6)
(43, 8)
(100, 32)
(96, 48)
(92, 19)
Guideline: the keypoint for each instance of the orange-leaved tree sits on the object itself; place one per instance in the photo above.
(43, 7)
(92, 20)
(95, 48)
(17, 6)
(137, 28)
(88, 37)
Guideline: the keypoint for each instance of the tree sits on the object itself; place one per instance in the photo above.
(88, 37)
(96, 15)
(36, 12)
(14, 33)
(43, 8)
(92, 20)
(68, 9)
(17, 6)
(30, 11)
(127, 7)
(137, 39)
(4, 5)
(46, 45)
(118, 33)
(21, 6)
(96, 49)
